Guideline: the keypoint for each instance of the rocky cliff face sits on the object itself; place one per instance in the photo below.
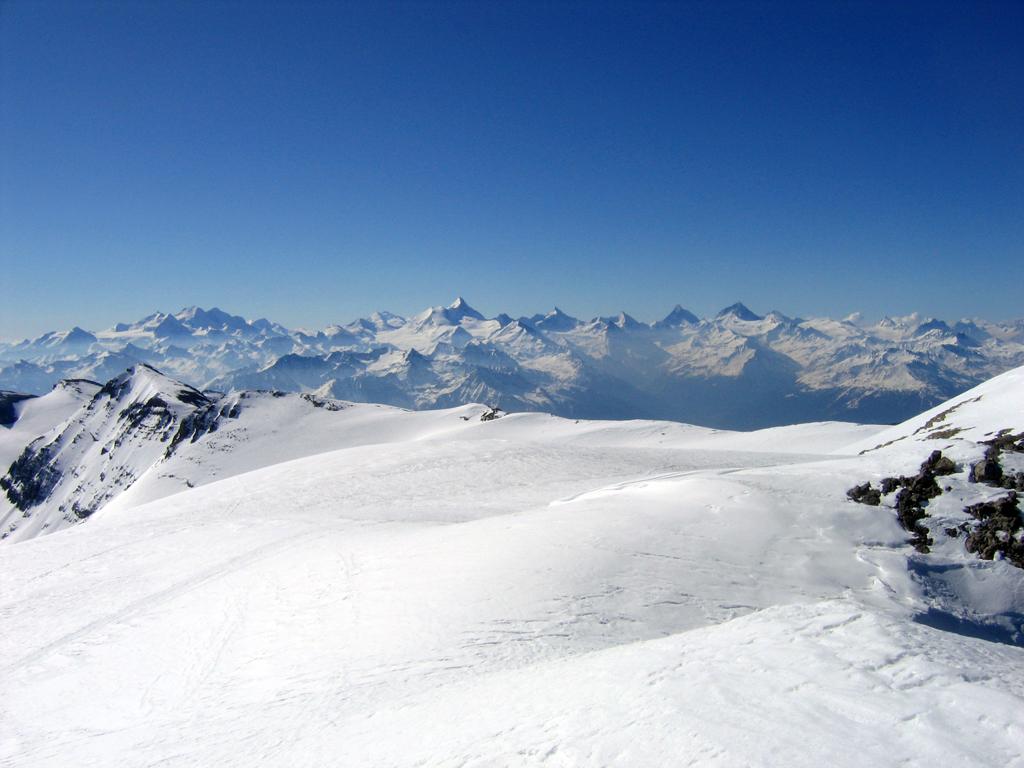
(132, 421)
(8, 401)
(85, 444)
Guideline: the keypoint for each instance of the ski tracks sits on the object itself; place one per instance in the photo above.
(155, 599)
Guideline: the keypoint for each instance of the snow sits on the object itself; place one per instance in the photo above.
(146, 436)
(737, 369)
(372, 586)
(975, 415)
(38, 415)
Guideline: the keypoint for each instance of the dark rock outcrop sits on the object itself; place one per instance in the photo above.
(201, 422)
(8, 413)
(998, 530)
(988, 470)
(865, 494)
(914, 494)
(1005, 440)
(910, 511)
(890, 484)
(938, 464)
(491, 414)
(32, 476)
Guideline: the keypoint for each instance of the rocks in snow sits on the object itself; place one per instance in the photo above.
(999, 528)
(491, 414)
(988, 470)
(998, 531)
(912, 498)
(938, 464)
(865, 494)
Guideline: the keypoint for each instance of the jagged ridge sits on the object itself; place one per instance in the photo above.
(735, 370)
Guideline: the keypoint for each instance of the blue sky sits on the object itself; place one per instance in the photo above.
(312, 162)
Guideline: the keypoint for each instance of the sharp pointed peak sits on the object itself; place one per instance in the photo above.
(677, 317)
(413, 355)
(738, 310)
(458, 310)
(554, 320)
(625, 320)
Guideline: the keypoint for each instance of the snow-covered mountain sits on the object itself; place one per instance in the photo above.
(85, 447)
(77, 449)
(270, 579)
(735, 370)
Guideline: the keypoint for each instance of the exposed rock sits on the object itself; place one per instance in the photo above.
(1013, 481)
(913, 496)
(32, 476)
(154, 410)
(938, 464)
(988, 470)
(491, 414)
(890, 484)
(319, 402)
(1005, 440)
(8, 413)
(910, 512)
(201, 422)
(924, 487)
(865, 494)
(998, 531)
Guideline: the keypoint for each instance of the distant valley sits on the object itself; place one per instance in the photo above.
(736, 370)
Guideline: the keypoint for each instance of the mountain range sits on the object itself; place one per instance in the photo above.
(736, 370)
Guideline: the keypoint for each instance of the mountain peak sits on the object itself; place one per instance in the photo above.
(170, 325)
(555, 320)
(626, 321)
(931, 324)
(462, 309)
(214, 318)
(453, 314)
(415, 357)
(142, 382)
(76, 336)
(739, 311)
(677, 317)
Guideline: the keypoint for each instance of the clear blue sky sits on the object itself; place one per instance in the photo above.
(312, 162)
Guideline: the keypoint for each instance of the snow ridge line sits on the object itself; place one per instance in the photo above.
(140, 605)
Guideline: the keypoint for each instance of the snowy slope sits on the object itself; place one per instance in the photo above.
(976, 415)
(38, 415)
(144, 435)
(530, 590)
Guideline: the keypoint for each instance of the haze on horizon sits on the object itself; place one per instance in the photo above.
(647, 317)
(312, 163)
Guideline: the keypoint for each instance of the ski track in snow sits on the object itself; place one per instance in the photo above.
(435, 592)
(154, 600)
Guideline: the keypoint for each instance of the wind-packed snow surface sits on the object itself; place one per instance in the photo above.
(431, 588)
(736, 370)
